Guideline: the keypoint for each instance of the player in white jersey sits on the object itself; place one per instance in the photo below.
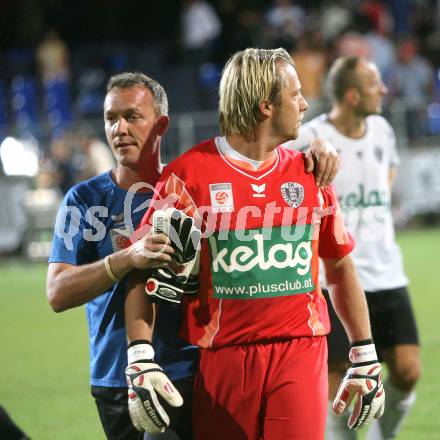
(367, 147)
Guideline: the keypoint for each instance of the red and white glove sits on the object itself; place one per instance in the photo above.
(144, 379)
(363, 381)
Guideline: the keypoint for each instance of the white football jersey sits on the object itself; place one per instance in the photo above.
(363, 191)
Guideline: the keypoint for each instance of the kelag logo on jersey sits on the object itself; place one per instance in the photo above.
(261, 267)
(293, 193)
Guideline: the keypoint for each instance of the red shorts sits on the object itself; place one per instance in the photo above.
(273, 391)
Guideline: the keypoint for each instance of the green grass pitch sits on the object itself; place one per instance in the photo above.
(44, 356)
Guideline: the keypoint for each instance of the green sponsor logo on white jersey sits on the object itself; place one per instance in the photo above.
(365, 199)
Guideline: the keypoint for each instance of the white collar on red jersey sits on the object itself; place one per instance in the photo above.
(235, 158)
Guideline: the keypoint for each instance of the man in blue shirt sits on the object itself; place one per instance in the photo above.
(91, 254)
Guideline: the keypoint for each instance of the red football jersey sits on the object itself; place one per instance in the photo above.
(263, 232)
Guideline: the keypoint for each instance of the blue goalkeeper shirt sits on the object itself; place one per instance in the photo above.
(93, 221)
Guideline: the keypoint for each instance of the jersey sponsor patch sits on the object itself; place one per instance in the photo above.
(222, 199)
(293, 193)
(262, 263)
(120, 239)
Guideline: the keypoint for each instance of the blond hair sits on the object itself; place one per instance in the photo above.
(250, 77)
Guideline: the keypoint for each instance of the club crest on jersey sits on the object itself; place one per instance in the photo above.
(120, 239)
(378, 152)
(222, 199)
(293, 193)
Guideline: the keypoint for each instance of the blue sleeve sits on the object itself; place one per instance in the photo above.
(69, 245)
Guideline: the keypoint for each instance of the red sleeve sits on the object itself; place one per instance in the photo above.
(334, 239)
(170, 191)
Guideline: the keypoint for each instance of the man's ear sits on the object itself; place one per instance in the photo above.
(265, 108)
(162, 125)
(352, 96)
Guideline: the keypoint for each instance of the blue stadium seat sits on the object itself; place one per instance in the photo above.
(24, 104)
(91, 92)
(58, 104)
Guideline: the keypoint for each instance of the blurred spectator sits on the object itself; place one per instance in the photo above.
(54, 68)
(311, 59)
(46, 191)
(353, 44)
(335, 18)
(53, 58)
(96, 155)
(41, 205)
(412, 81)
(286, 23)
(379, 15)
(201, 30)
(383, 52)
(201, 26)
(63, 162)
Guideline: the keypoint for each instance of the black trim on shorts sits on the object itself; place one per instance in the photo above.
(113, 412)
(112, 407)
(392, 323)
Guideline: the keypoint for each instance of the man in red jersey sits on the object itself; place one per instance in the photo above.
(260, 318)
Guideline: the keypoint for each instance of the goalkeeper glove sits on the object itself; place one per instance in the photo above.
(165, 284)
(363, 380)
(144, 379)
(184, 235)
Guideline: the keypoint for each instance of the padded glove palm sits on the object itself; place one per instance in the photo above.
(363, 381)
(145, 378)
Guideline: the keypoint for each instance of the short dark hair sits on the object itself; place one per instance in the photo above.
(127, 80)
(342, 76)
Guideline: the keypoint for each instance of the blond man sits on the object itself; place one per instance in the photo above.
(260, 318)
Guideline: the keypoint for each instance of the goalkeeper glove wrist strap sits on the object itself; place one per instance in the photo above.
(165, 288)
(363, 353)
(140, 350)
(362, 342)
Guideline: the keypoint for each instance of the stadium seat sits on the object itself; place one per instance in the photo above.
(24, 102)
(58, 104)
